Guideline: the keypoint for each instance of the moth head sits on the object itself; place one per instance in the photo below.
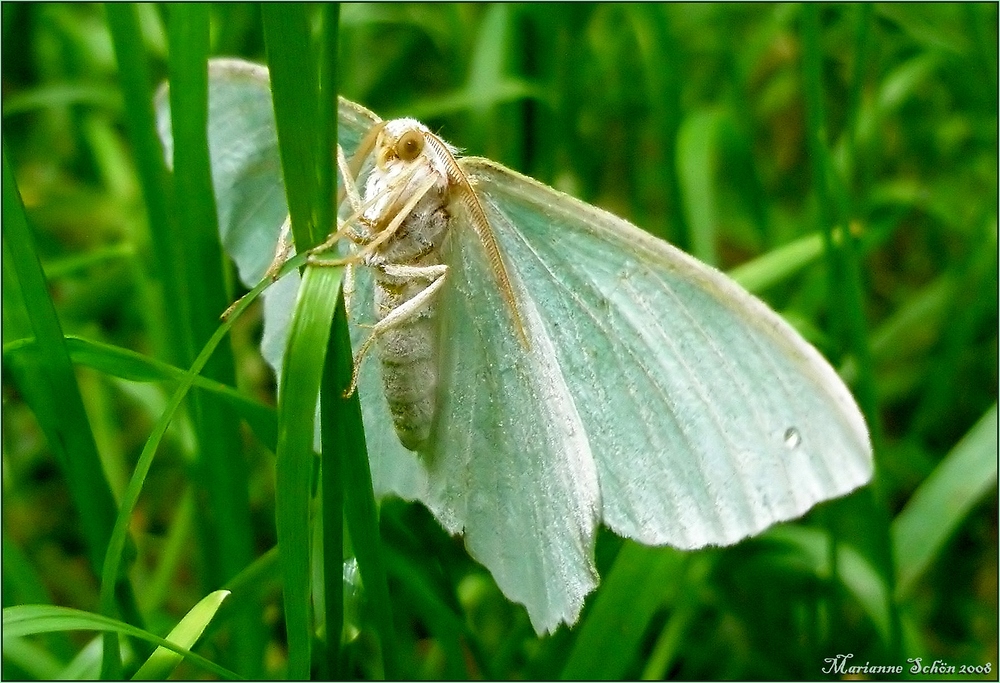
(401, 143)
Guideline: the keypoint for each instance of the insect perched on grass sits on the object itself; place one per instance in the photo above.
(545, 366)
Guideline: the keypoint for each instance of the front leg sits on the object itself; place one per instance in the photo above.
(435, 275)
(374, 235)
(282, 252)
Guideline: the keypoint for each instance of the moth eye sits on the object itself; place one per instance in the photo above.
(410, 145)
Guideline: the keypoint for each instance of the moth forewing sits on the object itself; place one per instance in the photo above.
(509, 462)
(684, 380)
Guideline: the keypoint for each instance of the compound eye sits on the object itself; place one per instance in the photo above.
(410, 145)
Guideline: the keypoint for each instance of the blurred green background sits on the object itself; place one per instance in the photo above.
(732, 131)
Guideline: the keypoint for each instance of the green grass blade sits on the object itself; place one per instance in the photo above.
(660, 51)
(293, 90)
(336, 437)
(167, 248)
(24, 620)
(187, 632)
(943, 500)
(331, 389)
(223, 500)
(635, 588)
(778, 264)
(360, 509)
(23, 585)
(844, 292)
(328, 81)
(862, 580)
(33, 659)
(70, 435)
(126, 364)
(113, 558)
(173, 554)
(696, 159)
(306, 351)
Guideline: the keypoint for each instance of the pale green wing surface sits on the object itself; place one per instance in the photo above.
(708, 417)
(509, 464)
(246, 167)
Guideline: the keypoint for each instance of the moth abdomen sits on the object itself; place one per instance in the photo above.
(408, 356)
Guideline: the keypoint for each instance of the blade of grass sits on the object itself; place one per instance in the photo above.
(853, 570)
(23, 620)
(778, 264)
(259, 582)
(23, 585)
(173, 554)
(167, 250)
(129, 365)
(635, 588)
(361, 512)
(696, 158)
(185, 634)
(337, 435)
(846, 306)
(224, 505)
(294, 94)
(972, 306)
(682, 617)
(113, 558)
(331, 390)
(299, 391)
(32, 658)
(938, 506)
(660, 52)
(292, 66)
(70, 435)
(846, 310)
(423, 592)
(327, 118)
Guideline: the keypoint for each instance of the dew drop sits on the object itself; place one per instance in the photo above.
(792, 438)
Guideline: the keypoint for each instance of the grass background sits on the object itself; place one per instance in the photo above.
(750, 136)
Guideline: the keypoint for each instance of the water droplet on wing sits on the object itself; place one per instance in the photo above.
(792, 438)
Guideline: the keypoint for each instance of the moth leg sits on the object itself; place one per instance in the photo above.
(355, 236)
(369, 243)
(350, 182)
(436, 275)
(282, 252)
(346, 228)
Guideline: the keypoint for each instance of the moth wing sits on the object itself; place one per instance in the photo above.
(509, 463)
(708, 416)
(246, 166)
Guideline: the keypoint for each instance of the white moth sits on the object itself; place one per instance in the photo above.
(407, 216)
(544, 365)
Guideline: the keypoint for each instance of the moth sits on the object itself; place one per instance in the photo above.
(560, 368)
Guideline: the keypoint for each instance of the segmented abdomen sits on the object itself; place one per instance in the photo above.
(409, 350)
(409, 356)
